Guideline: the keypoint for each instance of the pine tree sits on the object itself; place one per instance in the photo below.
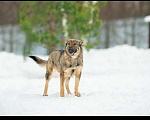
(52, 22)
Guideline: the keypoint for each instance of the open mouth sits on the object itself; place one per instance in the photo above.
(72, 52)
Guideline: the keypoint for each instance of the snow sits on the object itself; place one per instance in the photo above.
(147, 19)
(114, 81)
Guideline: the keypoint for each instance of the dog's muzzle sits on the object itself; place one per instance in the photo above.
(72, 51)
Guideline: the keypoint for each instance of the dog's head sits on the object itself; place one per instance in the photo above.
(73, 47)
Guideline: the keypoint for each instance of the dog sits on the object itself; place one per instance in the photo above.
(67, 62)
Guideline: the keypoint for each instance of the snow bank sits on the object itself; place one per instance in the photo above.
(115, 81)
(147, 19)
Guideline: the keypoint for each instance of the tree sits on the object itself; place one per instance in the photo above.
(51, 22)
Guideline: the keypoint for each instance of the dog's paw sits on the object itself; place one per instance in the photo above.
(77, 94)
(62, 95)
(45, 94)
(69, 93)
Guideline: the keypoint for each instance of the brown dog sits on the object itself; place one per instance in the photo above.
(67, 62)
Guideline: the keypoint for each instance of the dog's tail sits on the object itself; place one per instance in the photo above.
(39, 61)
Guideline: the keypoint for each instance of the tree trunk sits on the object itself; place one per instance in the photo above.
(3, 39)
(27, 47)
(107, 33)
(125, 31)
(133, 31)
(50, 48)
(11, 39)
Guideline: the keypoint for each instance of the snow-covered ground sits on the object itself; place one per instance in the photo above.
(115, 81)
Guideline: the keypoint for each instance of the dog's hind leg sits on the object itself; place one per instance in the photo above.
(48, 76)
(67, 85)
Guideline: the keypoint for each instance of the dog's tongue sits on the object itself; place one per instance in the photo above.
(71, 53)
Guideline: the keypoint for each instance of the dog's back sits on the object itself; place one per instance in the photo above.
(54, 58)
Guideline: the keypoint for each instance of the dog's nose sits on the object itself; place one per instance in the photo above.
(70, 50)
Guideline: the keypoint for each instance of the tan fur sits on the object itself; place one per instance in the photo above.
(66, 63)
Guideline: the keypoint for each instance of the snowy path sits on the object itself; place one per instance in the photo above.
(114, 82)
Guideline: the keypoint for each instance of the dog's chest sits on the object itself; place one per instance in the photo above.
(72, 63)
(71, 66)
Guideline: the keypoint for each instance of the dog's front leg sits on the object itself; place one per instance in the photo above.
(62, 80)
(67, 84)
(77, 80)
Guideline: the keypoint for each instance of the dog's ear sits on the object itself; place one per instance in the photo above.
(81, 43)
(66, 42)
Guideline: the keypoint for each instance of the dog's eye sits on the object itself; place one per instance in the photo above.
(74, 43)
